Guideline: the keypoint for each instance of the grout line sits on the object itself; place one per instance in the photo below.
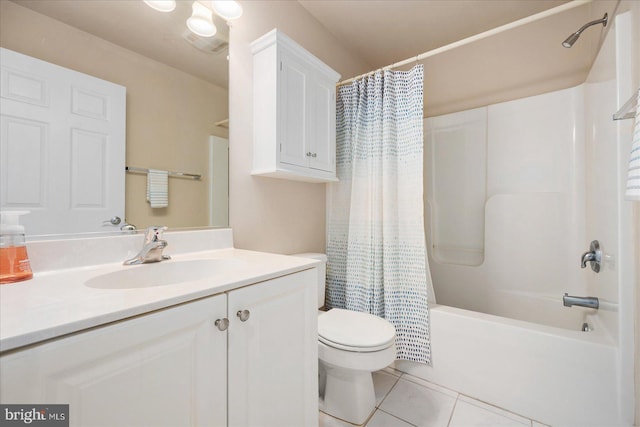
(388, 392)
(431, 385)
(396, 417)
(453, 410)
(497, 407)
(369, 418)
(347, 422)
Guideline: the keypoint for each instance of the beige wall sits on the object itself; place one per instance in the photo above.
(170, 114)
(265, 213)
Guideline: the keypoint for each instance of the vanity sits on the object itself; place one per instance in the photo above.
(215, 336)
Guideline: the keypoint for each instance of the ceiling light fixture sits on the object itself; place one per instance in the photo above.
(201, 21)
(227, 9)
(162, 5)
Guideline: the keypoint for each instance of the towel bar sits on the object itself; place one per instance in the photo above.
(194, 176)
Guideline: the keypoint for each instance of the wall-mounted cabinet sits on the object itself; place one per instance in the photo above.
(294, 111)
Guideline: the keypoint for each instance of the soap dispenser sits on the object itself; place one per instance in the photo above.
(14, 261)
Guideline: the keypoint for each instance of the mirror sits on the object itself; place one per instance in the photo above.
(176, 94)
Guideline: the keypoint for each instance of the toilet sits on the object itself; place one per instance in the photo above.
(351, 345)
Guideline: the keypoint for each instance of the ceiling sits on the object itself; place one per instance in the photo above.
(384, 32)
(134, 25)
(520, 62)
(524, 61)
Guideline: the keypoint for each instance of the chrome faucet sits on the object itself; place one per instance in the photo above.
(593, 256)
(152, 249)
(590, 302)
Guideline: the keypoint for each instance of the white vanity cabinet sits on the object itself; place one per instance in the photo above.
(177, 367)
(294, 111)
(167, 368)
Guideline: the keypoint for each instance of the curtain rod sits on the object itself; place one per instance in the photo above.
(549, 12)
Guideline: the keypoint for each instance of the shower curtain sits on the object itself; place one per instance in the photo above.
(375, 231)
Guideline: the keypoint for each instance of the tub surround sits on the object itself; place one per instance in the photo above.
(57, 302)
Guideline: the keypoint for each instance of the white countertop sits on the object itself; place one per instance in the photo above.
(58, 302)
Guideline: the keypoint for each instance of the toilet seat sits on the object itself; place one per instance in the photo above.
(355, 331)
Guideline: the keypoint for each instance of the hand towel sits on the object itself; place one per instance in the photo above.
(158, 188)
(633, 180)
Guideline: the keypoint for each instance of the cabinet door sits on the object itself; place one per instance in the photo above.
(322, 124)
(292, 120)
(273, 355)
(167, 368)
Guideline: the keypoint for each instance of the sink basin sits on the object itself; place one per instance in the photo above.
(164, 273)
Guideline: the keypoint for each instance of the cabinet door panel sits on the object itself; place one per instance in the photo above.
(167, 368)
(273, 356)
(293, 120)
(322, 140)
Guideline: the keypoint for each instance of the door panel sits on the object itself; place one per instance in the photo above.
(62, 141)
(293, 120)
(273, 356)
(166, 368)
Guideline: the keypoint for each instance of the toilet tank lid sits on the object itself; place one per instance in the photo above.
(312, 255)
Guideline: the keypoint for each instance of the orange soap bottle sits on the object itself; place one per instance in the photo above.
(14, 261)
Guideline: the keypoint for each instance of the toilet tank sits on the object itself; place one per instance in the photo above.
(322, 273)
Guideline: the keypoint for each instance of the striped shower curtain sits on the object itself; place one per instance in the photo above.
(375, 239)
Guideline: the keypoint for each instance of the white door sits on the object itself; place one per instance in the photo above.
(167, 368)
(62, 146)
(273, 355)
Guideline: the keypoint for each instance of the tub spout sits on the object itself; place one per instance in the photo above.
(590, 302)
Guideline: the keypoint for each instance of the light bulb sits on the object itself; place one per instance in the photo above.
(228, 9)
(201, 21)
(161, 5)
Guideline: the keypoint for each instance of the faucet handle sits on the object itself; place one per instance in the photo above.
(592, 256)
(154, 233)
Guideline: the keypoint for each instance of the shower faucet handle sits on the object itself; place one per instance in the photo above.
(592, 256)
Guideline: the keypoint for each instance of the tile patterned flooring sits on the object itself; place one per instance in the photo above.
(403, 400)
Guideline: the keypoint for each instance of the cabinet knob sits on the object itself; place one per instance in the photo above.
(314, 154)
(222, 324)
(243, 315)
(308, 153)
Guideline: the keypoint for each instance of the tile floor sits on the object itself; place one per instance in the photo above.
(403, 400)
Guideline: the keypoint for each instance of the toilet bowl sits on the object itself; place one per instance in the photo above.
(351, 345)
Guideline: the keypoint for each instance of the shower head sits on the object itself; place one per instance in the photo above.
(575, 36)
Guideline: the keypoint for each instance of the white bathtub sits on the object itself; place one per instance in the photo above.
(556, 376)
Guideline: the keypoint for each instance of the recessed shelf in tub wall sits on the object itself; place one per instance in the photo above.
(628, 110)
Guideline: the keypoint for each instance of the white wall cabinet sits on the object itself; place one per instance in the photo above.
(294, 111)
(175, 367)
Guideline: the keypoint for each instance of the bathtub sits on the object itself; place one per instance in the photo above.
(559, 377)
